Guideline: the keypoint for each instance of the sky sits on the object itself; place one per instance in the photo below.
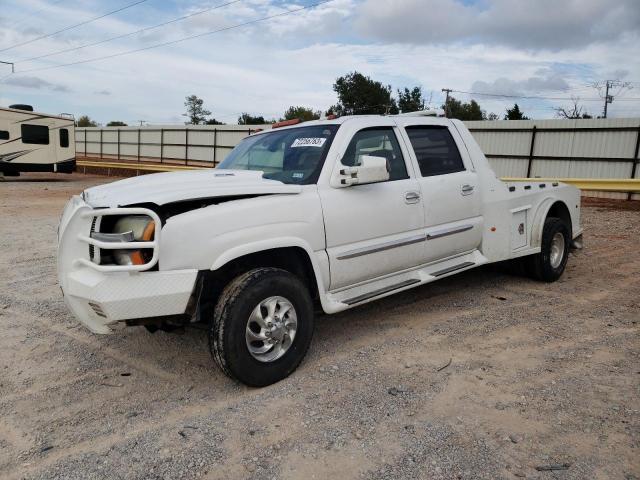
(556, 49)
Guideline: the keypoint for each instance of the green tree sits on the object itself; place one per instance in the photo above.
(410, 100)
(247, 119)
(463, 111)
(213, 121)
(514, 113)
(360, 95)
(196, 113)
(85, 121)
(116, 123)
(303, 113)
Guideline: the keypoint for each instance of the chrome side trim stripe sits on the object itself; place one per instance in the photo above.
(402, 242)
(380, 291)
(448, 231)
(452, 269)
(381, 247)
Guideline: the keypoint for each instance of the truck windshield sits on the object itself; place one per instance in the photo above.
(293, 155)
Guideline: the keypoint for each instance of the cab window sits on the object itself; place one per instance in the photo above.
(377, 142)
(435, 150)
(291, 155)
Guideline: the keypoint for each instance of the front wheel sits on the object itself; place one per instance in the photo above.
(549, 264)
(262, 326)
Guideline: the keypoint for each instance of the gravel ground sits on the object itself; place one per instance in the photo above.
(481, 375)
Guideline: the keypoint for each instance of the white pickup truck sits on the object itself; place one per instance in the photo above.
(323, 215)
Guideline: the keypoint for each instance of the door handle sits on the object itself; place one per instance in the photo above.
(411, 197)
(467, 189)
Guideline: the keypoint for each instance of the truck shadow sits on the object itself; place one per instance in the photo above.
(337, 335)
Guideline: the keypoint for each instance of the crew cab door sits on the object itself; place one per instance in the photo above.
(373, 229)
(450, 188)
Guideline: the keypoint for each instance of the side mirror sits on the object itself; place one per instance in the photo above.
(371, 170)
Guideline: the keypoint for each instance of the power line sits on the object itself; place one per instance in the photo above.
(173, 42)
(200, 12)
(73, 26)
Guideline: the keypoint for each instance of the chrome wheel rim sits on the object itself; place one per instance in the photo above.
(271, 329)
(557, 250)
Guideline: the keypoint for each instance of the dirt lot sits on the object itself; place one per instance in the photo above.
(539, 375)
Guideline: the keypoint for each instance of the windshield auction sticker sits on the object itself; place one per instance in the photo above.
(308, 142)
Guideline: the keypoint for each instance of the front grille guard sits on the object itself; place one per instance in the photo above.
(122, 245)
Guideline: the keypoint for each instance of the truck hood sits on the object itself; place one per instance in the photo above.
(164, 188)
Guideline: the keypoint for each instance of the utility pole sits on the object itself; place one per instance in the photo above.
(609, 85)
(607, 99)
(13, 68)
(446, 102)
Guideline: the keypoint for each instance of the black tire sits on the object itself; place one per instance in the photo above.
(228, 326)
(539, 266)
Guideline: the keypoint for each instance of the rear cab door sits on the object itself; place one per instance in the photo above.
(449, 185)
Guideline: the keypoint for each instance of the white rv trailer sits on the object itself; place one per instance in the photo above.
(35, 142)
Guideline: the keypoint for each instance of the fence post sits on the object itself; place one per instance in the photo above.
(138, 145)
(118, 143)
(161, 143)
(100, 144)
(533, 143)
(215, 145)
(85, 144)
(186, 145)
(635, 161)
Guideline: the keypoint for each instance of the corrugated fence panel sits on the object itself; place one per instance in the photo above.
(504, 143)
(550, 168)
(509, 167)
(599, 169)
(582, 148)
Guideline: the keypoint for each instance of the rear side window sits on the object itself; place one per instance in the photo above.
(38, 134)
(435, 150)
(64, 138)
(4, 135)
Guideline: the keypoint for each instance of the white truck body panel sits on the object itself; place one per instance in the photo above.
(363, 242)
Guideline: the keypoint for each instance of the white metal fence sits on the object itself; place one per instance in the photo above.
(594, 148)
(188, 145)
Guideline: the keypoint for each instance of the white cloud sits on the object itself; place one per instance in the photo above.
(264, 68)
(540, 24)
(36, 83)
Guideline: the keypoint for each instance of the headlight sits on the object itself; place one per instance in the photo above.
(143, 229)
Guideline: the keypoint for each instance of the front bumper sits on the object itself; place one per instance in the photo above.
(102, 298)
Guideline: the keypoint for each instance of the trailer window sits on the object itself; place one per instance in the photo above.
(435, 149)
(37, 134)
(64, 138)
(4, 135)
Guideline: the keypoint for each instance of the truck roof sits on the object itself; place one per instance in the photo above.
(402, 119)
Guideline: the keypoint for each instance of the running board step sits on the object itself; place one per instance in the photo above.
(380, 291)
(444, 271)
